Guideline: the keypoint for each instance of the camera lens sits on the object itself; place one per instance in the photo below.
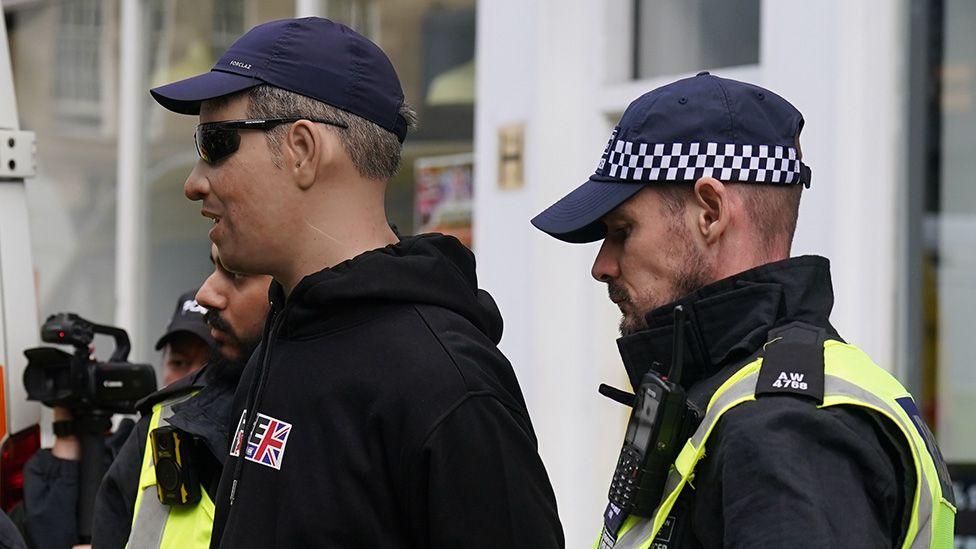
(168, 474)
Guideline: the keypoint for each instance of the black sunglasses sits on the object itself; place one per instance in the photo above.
(216, 141)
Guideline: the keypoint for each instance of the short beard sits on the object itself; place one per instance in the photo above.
(244, 347)
(691, 272)
(223, 371)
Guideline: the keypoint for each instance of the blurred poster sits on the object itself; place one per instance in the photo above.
(443, 194)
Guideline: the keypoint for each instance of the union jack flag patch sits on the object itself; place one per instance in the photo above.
(266, 444)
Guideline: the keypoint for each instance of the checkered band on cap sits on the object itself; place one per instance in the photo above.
(633, 161)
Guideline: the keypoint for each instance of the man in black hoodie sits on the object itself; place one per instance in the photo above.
(378, 411)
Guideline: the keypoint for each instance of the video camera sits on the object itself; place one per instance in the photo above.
(92, 390)
(77, 381)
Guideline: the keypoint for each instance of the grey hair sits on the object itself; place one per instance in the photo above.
(375, 151)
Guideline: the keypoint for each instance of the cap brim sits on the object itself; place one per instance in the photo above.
(185, 96)
(200, 330)
(577, 217)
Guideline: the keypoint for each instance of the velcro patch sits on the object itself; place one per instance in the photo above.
(793, 363)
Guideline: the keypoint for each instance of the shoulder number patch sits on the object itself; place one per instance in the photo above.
(793, 362)
(790, 380)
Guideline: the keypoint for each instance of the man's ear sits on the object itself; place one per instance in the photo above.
(306, 150)
(713, 199)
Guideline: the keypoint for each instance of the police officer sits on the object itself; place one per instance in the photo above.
(795, 438)
(128, 510)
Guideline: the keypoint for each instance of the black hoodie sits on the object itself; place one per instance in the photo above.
(387, 416)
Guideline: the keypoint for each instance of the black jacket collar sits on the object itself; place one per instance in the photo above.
(728, 320)
(207, 415)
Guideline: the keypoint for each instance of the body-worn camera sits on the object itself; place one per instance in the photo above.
(78, 382)
(176, 477)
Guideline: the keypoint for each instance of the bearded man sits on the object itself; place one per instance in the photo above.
(128, 512)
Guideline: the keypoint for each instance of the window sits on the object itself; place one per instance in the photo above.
(941, 263)
(942, 204)
(431, 44)
(683, 36)
(62, 58)
(954, 214)
(80, 78)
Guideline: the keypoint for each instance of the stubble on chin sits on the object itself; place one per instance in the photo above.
(631, 324)
(690, 271)
(691, 274)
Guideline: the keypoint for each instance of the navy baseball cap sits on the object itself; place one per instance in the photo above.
(313, 57)
(696, 127)
(188, 317)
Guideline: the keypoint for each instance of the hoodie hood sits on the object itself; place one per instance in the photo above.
(429, 269)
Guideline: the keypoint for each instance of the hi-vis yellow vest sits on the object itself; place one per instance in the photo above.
(155, 525)
(850, 378)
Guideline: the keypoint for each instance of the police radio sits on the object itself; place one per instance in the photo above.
(660, 422)
(176, 476)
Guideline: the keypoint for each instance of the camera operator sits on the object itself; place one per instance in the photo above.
(195, 411)
(52, 476)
